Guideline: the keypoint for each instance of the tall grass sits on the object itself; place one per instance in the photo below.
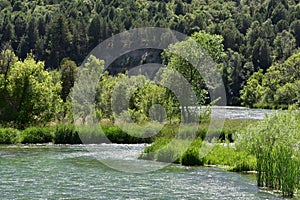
(180, 151)
(275, 142)
(66, 134)
(227, 155)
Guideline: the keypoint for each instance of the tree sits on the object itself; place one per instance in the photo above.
(295, 28)
(94, 31)
(68, 71)
(284, 45)
(253, 91)
(84, 91)
(32, 34)
(32, 97)
(179, 8)
(104, 94)
(278, 86)
(261, 55)
(61, 38)
(233, 76)
(212, 47)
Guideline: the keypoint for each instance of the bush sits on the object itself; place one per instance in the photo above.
(192, 156)
(9, 135)
(36, 135)
(171, 152)
(150, 152)
(66, 134)
(91, 134)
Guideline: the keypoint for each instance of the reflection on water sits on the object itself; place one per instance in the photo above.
(72, 172)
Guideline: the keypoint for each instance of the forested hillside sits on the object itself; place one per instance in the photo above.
(257, 34)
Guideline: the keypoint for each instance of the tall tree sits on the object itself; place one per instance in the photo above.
(94, 31)
(60, 38)
(68, 71)
(261, 56)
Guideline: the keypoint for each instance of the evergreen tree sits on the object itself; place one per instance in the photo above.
(60, 38)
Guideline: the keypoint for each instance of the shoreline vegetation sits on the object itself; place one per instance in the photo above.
(255, 45)
(111, 132)
(269, 147)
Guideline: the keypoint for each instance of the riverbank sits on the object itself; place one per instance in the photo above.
(111, 133)
(270, 147)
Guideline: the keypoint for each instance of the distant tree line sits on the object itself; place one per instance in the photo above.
(257, 34)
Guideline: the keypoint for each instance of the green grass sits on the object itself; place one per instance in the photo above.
(231, 158)
(275, 144)
(66, 134)
(187, 152)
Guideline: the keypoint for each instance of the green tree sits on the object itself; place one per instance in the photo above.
(60, 38)
(68, 71)
(284, 45)
(84, 91)
(261, 57)
(32, 98)
(104, 94)
(213, 47)
(253, 91)
(295, 28)
(94, 31)
(278, 86)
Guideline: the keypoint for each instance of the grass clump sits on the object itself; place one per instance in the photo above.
(225, 154)
(9, 136)
(275, 144)
(66, 134)
(179, 151)
(192, 157)
(34, 135)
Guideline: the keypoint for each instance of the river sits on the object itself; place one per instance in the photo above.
(110, 171)
(73, 172)
(232, 112)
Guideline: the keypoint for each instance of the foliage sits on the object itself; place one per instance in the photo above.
(9, 136)
(84, 91)
(66, 134)
(278, 86)
(29, 94)
(192, 155)
(226, 154)
(261, 33)
(275, 144)
(34, 135)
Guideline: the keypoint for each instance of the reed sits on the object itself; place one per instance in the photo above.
(275, 143)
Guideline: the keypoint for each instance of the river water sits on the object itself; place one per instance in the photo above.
(110, 171)
(74, 172)
(231, 112)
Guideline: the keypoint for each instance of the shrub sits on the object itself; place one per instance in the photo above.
(9, 135)
(192, 156)
(151, 151)
(36, 135)
(171, 153)
(66, 134)
(92, 134)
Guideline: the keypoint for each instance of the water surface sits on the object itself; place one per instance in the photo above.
(72, 172)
